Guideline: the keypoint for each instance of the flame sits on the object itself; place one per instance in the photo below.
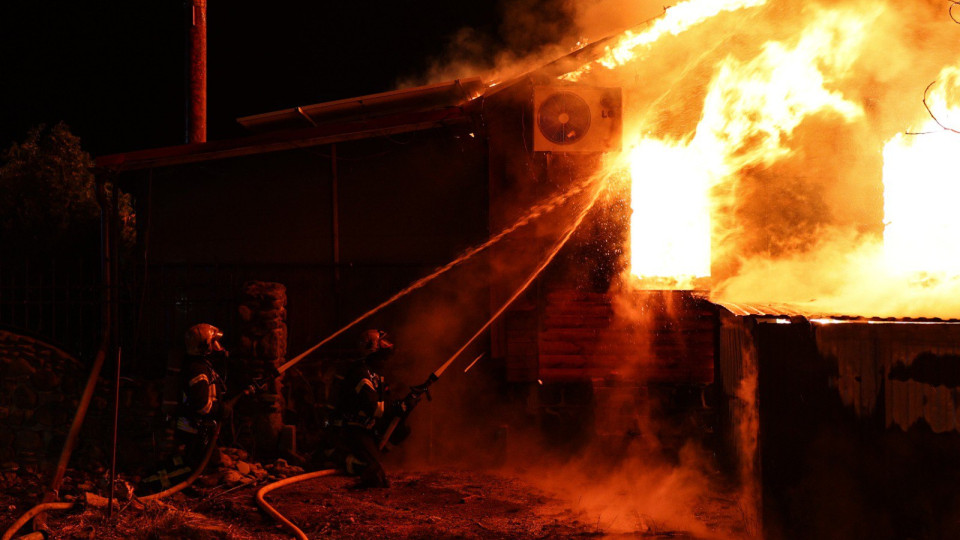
(749, 112)
(675, 20)
(669, 191)
(752, 107)
(921, 190)
(763, 148)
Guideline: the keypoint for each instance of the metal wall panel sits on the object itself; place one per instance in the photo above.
(908, 367)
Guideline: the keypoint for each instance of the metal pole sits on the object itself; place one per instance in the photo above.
(335, 212)
(113, 453)
(114, 330)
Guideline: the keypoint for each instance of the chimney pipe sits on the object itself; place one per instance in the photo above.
(197, 58)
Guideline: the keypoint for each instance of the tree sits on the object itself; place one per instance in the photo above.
(48, 192)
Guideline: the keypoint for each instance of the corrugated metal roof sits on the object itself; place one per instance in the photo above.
(766, 309)
(779, 309)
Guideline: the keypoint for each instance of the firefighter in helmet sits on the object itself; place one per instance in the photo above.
(202, 391)
(359, 400)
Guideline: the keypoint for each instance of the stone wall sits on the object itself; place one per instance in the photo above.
(263, 346)
(40, 389)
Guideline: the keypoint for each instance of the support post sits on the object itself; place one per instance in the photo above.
(197, 57)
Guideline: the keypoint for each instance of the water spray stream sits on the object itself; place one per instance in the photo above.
(533, 276)
(535, 212)
(435, 376)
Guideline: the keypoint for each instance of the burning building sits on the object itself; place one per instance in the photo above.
(737, 209)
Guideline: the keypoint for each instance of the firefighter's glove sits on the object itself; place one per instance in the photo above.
(398, 409)
(261, 383)
(256, 386)
(271, 372)
(225, 408)
(421, 390)
(410, 401)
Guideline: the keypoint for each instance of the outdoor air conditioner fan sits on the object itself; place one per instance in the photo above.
(576, 119)
(564, 118)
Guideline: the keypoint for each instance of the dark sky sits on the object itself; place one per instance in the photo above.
(113, 71)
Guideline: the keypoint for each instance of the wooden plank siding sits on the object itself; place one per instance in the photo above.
(653, 336)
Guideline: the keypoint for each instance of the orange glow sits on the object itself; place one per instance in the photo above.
(921, 192)
(675, 20)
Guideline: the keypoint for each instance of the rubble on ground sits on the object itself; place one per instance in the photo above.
(235, 467)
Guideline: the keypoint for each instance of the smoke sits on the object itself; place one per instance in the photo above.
(530, 33)
(640, 493)
(786, 109)
(843, 275)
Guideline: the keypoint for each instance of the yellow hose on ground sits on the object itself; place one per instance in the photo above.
(286, 482)
(33, 512)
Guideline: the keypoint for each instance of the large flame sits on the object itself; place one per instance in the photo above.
(670, 229)
(921, 186)
(749, 112)
(768, 148)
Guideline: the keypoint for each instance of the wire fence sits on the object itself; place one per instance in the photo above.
(53, 298)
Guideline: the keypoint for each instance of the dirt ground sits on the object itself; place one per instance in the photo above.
(419, 504)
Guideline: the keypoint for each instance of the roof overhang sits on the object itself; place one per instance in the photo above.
(421, 98)
(274, 141)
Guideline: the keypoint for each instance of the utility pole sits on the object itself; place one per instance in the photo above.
(197, 71)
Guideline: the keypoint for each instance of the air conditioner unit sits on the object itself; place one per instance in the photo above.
(576, 119)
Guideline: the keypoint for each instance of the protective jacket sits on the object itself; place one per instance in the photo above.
(361, 397)
(202, 390)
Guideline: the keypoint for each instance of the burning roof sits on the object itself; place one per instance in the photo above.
(777, 154)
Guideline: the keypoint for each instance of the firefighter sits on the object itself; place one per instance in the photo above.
(360, 412)
(202, 392)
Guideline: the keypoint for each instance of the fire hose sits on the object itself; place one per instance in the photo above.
(266, 507)
(30, 514)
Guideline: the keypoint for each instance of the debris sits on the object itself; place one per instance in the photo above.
(92, 500)
(231, 477)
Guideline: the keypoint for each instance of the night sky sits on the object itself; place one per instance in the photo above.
(114, 71)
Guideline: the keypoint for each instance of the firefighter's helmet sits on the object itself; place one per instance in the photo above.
(373, 341)
(203, 339)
